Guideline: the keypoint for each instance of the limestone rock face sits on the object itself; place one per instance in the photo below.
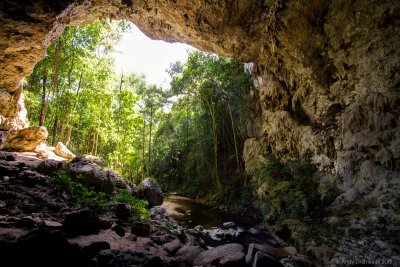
(26, 139)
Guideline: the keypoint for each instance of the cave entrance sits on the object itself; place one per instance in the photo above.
(177, 126)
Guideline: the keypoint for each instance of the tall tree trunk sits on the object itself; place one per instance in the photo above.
(234, 136)
(71, 121)
(43, 107)
(187, 139)
(211, 105)
(117, 163)
(57, 57)
(143, 145)
(55, 126)
(63, 122)
(69, 131)
(151, 124)
(96, 143)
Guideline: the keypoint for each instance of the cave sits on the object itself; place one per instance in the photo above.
(320, 55)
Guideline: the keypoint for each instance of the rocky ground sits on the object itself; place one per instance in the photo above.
(42, 226)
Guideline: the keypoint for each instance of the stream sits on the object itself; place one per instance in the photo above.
(191, 213)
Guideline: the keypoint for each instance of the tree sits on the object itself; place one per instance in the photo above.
(211, 91)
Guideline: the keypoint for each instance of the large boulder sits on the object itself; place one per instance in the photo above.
(188, 253)
(152, 192)
(90, 159)
(49, 166)
(92, 175)
(23, 140)
(84, 222)
(227, 255)
(62, 151)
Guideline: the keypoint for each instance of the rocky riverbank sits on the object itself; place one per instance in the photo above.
(43, 226)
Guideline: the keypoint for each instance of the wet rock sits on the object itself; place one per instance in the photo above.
(119, 230)
(140, 229)
(228, 225)
(123, 211)
(217, 236)
(152, 192)
(49, 166)
(226, 255)
(62, 151)
(188, 253)
(82, 222)
(172, 247)
(158, 213)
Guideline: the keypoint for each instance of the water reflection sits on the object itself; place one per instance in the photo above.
(191, 213)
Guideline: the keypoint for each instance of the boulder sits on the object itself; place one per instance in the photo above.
(228, 225)
(217, 236)
(152, 192)
(227, 255)
(91, 175)
(188, 253)
(123, 211)
(140, 229)
(172, 247)
(83, 222)
(49, 166)
(119, 230)
(26, 139)
(92, 249)
(90, 159)
(62, 151)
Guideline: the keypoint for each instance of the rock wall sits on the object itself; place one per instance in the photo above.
(327, 74)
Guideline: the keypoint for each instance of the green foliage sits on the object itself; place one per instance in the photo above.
(290, 188)
(62, 182)
(196, 139)
(139, 207)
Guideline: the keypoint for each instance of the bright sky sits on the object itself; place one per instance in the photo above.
(137, 53)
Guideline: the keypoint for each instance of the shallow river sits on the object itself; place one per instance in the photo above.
(191, 213)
